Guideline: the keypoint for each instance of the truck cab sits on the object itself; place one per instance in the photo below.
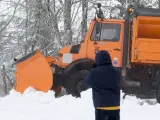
(107, 35)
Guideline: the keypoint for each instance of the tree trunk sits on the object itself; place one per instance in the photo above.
(122, 8)
(26, 22)
(159, 4)
(84, 17)
(55, 24)
(4, 80)
(67, 21)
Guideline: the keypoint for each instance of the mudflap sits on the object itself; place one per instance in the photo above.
(33, 71)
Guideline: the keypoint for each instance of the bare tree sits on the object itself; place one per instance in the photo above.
(67, 21)
(158, 3)
(54, 18)
(5, 26)
(84, 17)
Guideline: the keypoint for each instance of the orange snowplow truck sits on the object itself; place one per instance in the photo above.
(134, 45)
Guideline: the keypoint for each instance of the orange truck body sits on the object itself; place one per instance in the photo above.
(146, 40)
(135, 50)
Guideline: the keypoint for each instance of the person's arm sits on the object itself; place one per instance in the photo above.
(88, 80)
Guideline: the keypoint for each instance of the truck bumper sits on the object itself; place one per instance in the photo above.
(129, 84)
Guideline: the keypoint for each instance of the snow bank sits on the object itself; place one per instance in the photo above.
(34, 105)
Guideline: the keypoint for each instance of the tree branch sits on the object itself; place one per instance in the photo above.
(10, 18)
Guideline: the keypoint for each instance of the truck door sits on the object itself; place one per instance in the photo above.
(107, 36)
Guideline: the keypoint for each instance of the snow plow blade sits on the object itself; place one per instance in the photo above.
(34, 71)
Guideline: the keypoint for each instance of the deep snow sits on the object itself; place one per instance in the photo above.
(34, 105)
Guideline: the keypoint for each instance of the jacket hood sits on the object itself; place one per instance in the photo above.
(102, 58)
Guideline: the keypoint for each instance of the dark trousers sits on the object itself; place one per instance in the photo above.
(107, 114)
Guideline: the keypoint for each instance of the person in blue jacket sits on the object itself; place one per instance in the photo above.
(104, 79)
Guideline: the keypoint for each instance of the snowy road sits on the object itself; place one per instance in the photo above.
(34, 105)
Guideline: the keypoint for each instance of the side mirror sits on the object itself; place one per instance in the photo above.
(100, 12)
(99, 5)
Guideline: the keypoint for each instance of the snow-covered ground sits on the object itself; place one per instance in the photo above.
(34, 105)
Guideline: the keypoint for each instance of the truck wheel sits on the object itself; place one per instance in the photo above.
(157, 87)
(158, 92)
(75, 85)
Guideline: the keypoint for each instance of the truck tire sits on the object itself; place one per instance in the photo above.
(75, 85)
(157, 92)
(157, 87)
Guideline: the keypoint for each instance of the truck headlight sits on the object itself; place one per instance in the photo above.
(67, 58)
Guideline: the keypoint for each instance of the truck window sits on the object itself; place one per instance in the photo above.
(108, 32)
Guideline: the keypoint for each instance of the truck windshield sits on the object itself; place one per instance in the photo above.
(107, 32)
